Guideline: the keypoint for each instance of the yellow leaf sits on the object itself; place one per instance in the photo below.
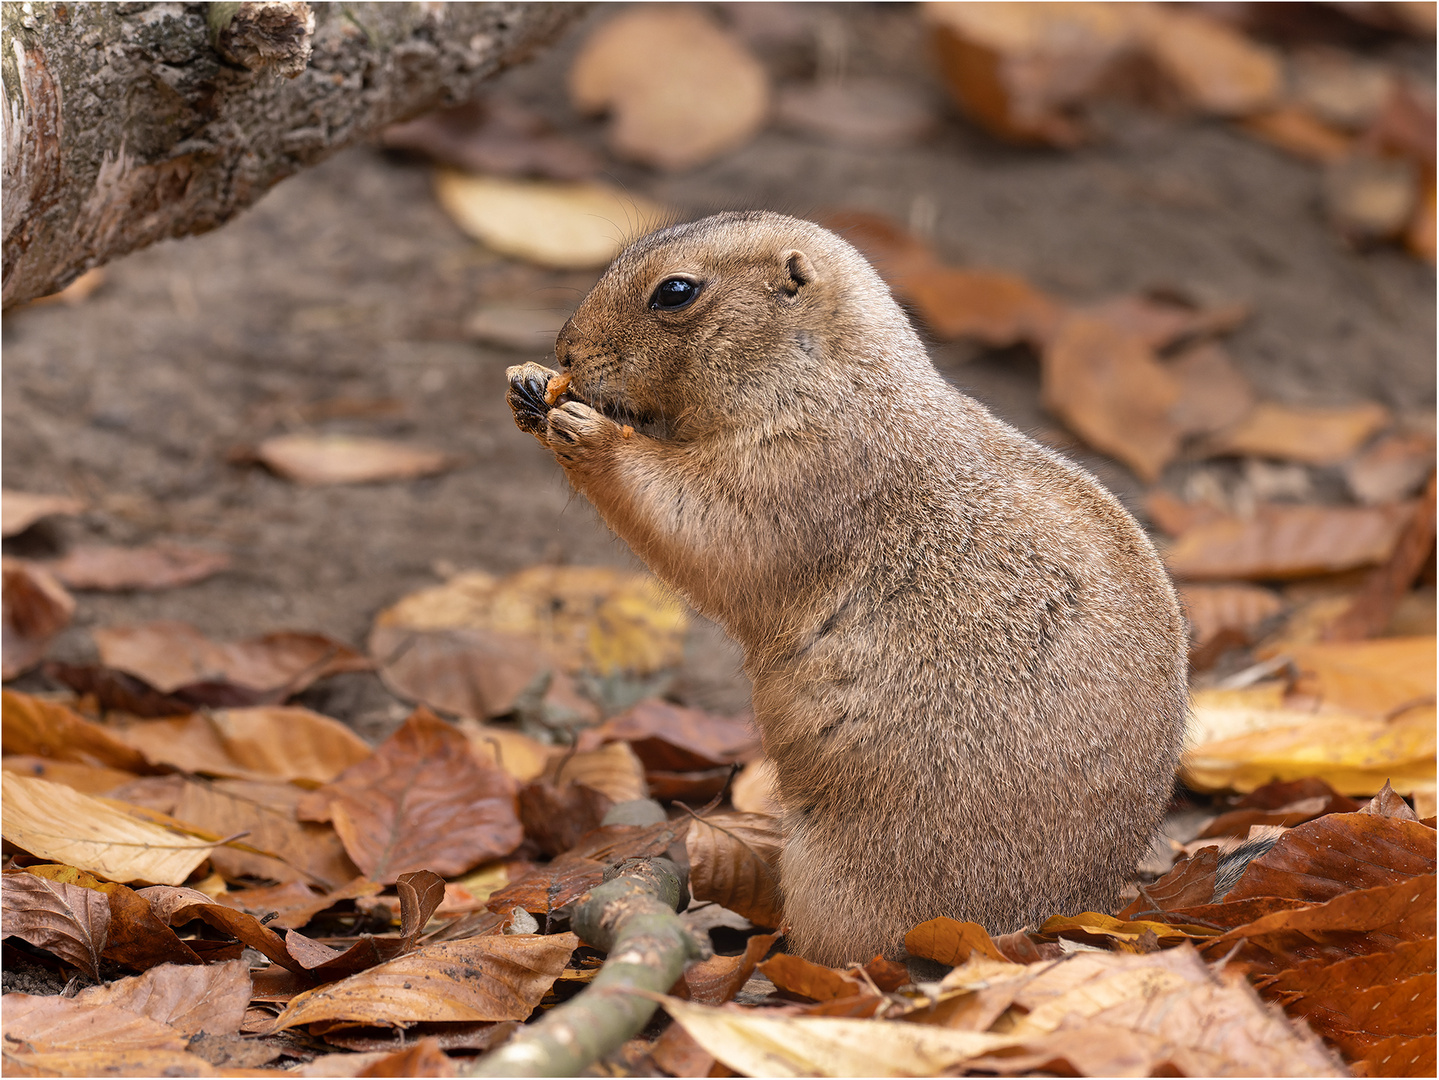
(755, 1045)
(1369, 677)
(54, 822)
(565, 226)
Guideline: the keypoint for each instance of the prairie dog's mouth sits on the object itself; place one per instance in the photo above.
(620, 412)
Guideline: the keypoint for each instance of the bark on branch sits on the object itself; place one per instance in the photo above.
(127, 123)
(632, 919)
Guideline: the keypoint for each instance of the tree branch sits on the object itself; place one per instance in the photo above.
(128, 123)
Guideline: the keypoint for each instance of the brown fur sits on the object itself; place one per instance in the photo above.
(968, 663)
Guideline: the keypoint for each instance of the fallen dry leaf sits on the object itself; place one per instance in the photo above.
(47, 729)
(163, 565)
(858, 112)
(1393, 468)
(211, 998)
(613, 770)
(756, 789)
(276, 844)
(293, 904)
(1293, 127)
(88, 779)
(680, 90)
(53, 822)
(421, 801)
(1021, 71)
(1245, 739)
(718, 979)
(1388, 586)
(519, 755)
(950, 941)
(1374, 678)
(1215, 67)
(1212, 393)
(561, 226)
(1283, 541)
(465, 671)
(1313, 436)
(677, 739)
(268, 743)
(1223, 617)
(1110, 390)
(36, 608)
(176, 657)
(796, 975)
(21, 509)
(69, 921)
(137, 938)
(989, 306)
(555, 817)
(55, 1023)
(496, 977)
(348, 459)
(177, 906)
(1338, 853)
(734, 861)
(494, 136)
(1163, 321)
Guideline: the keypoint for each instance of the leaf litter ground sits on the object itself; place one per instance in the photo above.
(334, 446)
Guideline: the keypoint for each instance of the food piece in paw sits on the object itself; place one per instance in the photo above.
(555, 387)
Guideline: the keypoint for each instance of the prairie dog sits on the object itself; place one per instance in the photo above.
(968, 662)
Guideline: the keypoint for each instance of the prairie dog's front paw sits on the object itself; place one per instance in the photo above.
(576, 431)
(527, 397)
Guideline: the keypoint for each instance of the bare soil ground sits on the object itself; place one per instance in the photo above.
(339, 304)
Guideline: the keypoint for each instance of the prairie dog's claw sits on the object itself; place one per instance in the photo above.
(527, 397)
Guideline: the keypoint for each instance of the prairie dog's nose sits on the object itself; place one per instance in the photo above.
(562, 345)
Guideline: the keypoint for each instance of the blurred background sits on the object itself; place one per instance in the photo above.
(1190, 245)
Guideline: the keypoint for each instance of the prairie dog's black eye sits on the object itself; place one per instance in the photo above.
(673, 293)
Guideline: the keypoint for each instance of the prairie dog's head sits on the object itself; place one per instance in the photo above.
(736, 320)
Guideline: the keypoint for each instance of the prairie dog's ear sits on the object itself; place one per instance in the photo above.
(799, 271)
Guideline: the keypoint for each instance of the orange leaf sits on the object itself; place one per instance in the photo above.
(951, 942)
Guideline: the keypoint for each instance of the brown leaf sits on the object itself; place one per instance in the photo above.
(1191, 882)
(1388, 804)
(421, 801)
(348, 459)
(172, 656)
(871, 112)
(1393, 467)
(265, 743)
(1354, 923)
(277, 844)
(950, 942)
(1174, 516)
(613, 770)
(420, 894)
(21, 509)
(1213, 395)
(176, 906)
(210, 999)
(720, 978)
(1373, 607)
(1240, 822)
(989, 306)
(114, 691)
(1361, 994)
(556, 817)
(293, 903)
(464, 671)
(1022, 72)
(69, 921)
(1111, 391)
(574, 873)
(734, 861)
(1277, 795)
(48, 729)
(326, 964)
(1313, 436)
(671, 738)
(1215, 67)
(796, 975)
(756, 789)
(1283, 542)
(498, 977)
(36, 608)
(681, 91)
(495, 137)
(1294, 128)
(126, 1062)
(1337, 853)
(47, 1024)
(1161, 322)
(424, 1058)
(1224, 617)
(137, 938)
(519, 755)
(86, 779)
(162, 565)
